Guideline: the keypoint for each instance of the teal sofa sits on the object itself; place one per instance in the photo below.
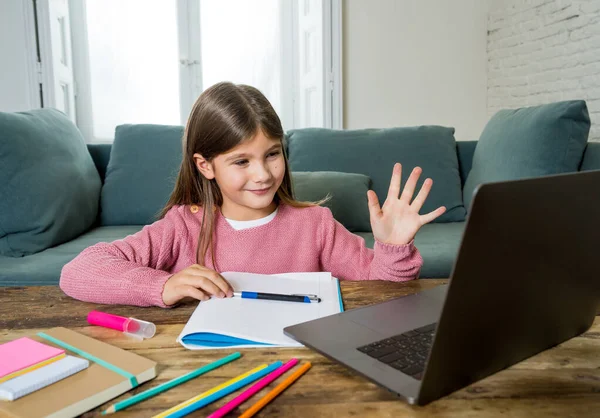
(138, 170)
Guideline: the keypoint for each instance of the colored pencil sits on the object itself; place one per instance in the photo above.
(231, 405)
(201, 403)
(209, 392)
(119, 406)
(278, 389)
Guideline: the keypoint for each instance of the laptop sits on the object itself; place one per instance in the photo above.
(525, 279)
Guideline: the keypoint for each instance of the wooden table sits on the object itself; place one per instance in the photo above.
(560, 382)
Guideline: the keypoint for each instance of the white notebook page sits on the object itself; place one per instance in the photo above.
(263, 320)
(36, 379)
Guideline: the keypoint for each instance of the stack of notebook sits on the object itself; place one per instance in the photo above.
(27, 365)
(61, 373)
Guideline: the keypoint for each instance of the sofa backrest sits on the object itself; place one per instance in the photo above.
(465, 149)
(591, 157)
(100, 154)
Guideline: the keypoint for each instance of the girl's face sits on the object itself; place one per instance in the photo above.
(249, 175)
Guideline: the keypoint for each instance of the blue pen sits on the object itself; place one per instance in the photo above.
(276, 296)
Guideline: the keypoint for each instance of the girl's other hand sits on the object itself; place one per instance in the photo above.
(398, 221)
(197, 282)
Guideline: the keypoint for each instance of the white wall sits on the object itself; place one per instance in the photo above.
(414, 62)
(17, 57)
(541, 51)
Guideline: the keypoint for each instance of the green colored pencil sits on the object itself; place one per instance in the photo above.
(171, 383)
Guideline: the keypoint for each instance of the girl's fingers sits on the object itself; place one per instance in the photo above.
(373, 203)
(216, 278)
(204, 284)
(411, 184)
(221, 283)
(432, 215)
(394, 189)
(191, 291)
(417, 204)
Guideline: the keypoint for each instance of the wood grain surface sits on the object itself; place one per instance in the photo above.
(561, 382)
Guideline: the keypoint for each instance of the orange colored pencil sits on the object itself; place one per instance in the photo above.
(278, 389)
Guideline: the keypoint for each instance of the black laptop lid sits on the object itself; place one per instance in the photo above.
(526, 278)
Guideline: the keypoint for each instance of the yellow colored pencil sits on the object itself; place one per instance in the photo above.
(278, 389)
(209, 392)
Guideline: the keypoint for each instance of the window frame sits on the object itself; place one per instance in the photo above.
(190, 63)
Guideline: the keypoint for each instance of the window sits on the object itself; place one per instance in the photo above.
(245, 46)
(146, 61)
(133, 62)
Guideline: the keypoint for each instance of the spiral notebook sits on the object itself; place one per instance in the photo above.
(34, 380)
(236, 322)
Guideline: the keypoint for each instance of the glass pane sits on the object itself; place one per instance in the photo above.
(63, 40)
(241, 42)
(134, 65)
(66, 101)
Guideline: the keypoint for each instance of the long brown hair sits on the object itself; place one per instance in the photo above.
(224, 116)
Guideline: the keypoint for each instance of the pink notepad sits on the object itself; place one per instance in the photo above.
(22, 353)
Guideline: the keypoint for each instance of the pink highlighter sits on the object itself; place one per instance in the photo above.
(130, 326)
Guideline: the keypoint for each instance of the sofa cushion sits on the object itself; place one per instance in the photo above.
(438, 245)
(373, 152)
(141, 173)
(529, 142)
(591, 157)
(50, 188)
(464, 151)
(101, 155)
(44, 267)
(347, 191)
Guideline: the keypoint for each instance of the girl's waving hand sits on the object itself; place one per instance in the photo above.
(398, 221)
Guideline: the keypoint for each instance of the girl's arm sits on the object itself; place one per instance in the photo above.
(394, 227)
(131, 271)
(346, 256)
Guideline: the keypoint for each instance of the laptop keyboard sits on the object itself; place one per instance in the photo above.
(406, 352)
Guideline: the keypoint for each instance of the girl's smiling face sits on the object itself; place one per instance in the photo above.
(248, 176)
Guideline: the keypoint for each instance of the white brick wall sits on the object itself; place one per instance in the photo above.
(542, 51)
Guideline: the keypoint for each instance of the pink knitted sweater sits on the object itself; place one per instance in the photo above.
(133, 271)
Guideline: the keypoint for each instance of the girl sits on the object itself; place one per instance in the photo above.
(233, 209)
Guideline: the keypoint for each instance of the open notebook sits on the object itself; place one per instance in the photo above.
(236, 322)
